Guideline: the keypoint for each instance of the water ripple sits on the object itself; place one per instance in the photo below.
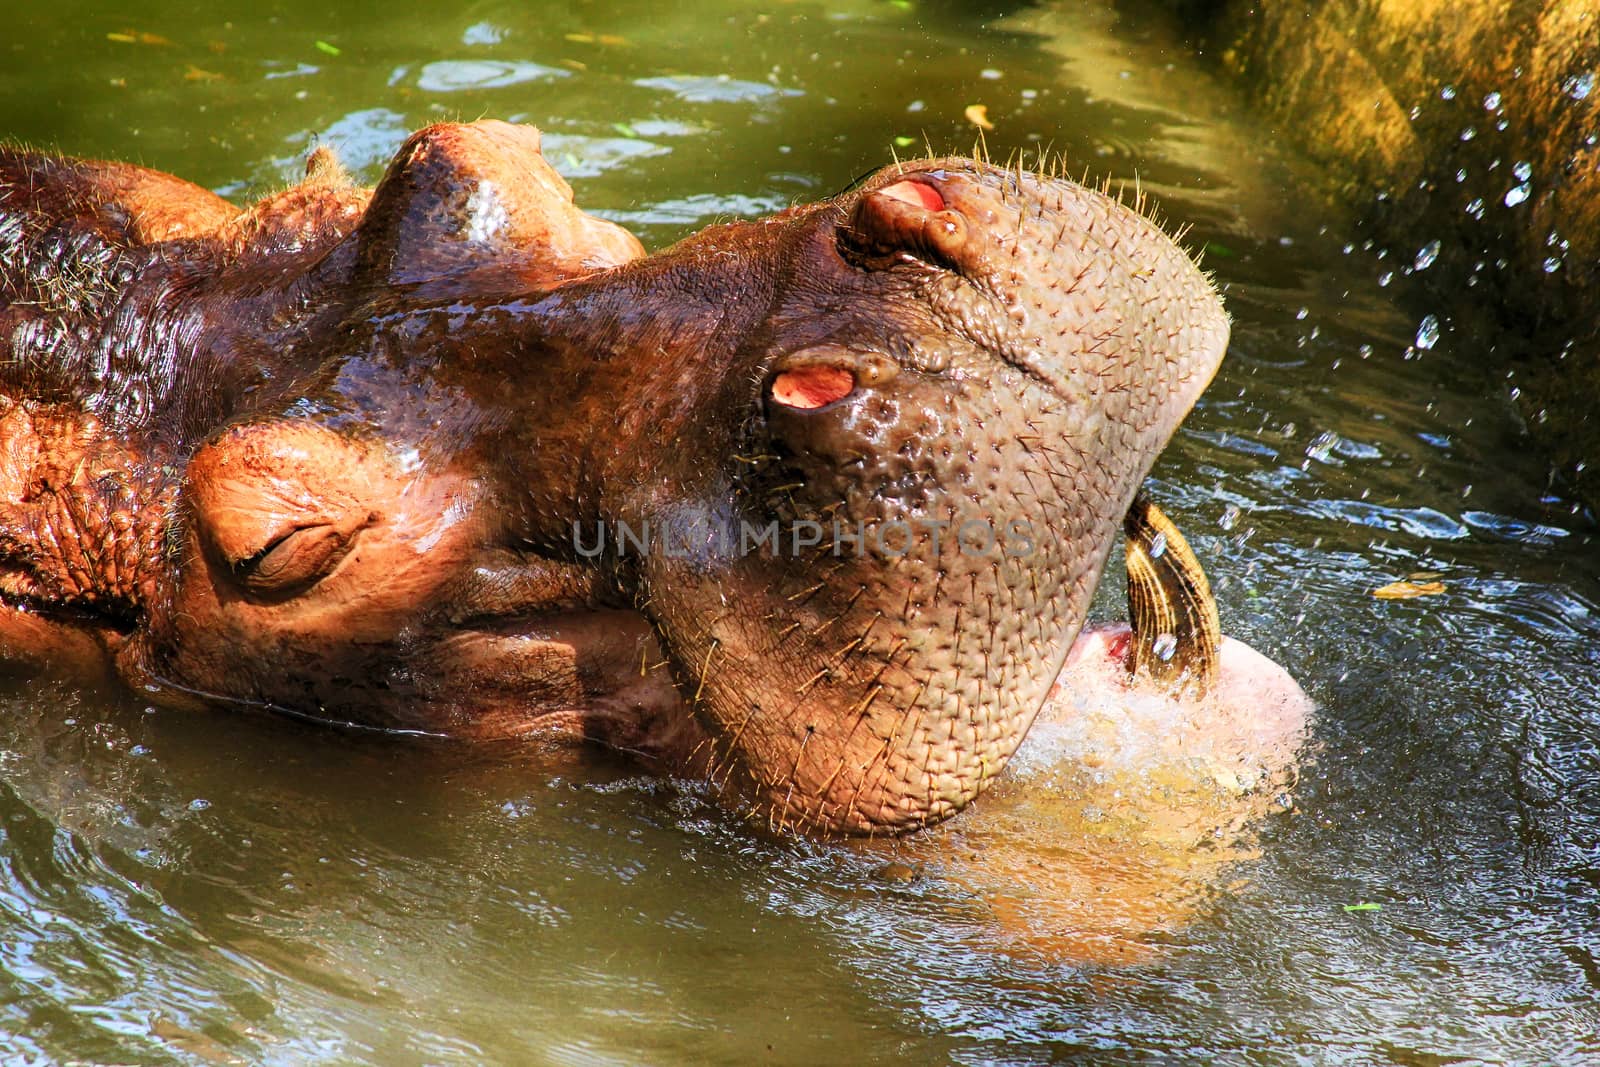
(719, 89)
(455, 75)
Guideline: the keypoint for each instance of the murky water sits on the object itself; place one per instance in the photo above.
(201, 888)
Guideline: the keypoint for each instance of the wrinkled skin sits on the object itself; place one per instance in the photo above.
(361, 458)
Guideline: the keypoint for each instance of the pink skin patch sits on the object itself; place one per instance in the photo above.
(812, 387)
(916, 193)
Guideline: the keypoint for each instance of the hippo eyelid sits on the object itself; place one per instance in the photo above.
(298, 558)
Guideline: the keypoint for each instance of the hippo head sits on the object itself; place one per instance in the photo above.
(821, 497)
(937, 403)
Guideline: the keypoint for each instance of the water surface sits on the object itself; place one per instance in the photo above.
(183, 888)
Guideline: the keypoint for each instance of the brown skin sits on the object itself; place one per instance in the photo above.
(326, 457)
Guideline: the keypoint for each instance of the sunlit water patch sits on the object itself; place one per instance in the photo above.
(195, 888)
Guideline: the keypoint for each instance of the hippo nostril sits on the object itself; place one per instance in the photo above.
(813, 386)
(907, 217)
(918, 193)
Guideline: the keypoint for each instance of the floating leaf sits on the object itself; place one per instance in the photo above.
(904, 142)
(1406, 590)
(330, 49)
(137, 37)
(1365, 905)
(624, 129)
(978, 115)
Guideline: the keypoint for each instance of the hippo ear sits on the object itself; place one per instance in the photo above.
(468, 196)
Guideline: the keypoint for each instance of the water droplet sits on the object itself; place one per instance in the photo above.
(1461, 175)
(915, 105)
(199, 804)
(1552, 264)
(1428, 332)
(1491, 102)
(1230, 517)
(1165, 646)
(1523, 170)
(1386, 277)
(1365, 351)
(1427, 254)
(1448, 92)
(1416, 112)
(990, 74)
(1475, 208)
(1517, 194)
(1502, 125)
(1468, 133)
(1158, 546)
(1302, 313)
(1322, 446)
(1581, 86)
(1516, 393)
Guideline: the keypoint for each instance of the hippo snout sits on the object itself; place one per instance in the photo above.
(964, 374)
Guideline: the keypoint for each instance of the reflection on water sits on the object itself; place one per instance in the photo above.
(203, 888)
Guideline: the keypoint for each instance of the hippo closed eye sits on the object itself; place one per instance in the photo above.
(812, 504)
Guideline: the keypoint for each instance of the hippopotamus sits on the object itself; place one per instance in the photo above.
(811, 506)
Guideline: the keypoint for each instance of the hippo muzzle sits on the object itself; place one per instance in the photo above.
(961, 377)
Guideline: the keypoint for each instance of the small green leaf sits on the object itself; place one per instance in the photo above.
(330, 49)
(1365, 905)
(904, 142)
(624, 129)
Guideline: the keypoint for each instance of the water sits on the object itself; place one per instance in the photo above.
(182, 888)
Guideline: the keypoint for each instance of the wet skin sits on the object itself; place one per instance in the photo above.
(363, 458)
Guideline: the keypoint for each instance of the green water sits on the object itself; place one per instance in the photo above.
(198, 888)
